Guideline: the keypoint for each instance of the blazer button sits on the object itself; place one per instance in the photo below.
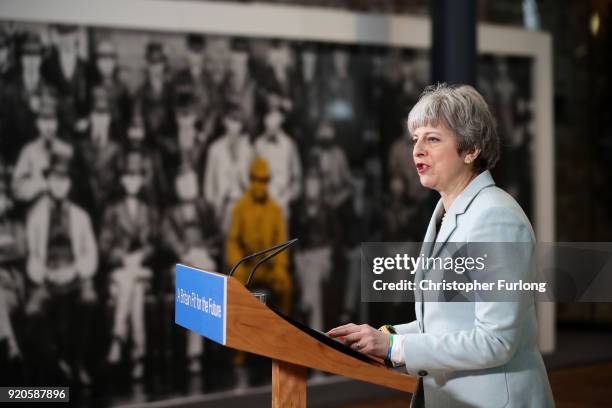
(422, 373)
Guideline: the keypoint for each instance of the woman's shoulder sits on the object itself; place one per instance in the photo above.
(494, 206)
(495, 197)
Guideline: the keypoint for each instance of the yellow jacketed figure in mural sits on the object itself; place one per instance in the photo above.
(258, 223)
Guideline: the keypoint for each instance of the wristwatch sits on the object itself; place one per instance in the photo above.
(387, 328)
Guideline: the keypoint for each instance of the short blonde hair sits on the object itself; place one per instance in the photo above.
(464, 111)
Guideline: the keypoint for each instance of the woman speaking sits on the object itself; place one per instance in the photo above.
(466, 354)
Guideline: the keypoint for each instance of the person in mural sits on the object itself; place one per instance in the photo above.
(506, 105)
(226, 177)
(12, 256)
(258, 223)
(279, 83)
(191, 233)
(280, 151)
(338, 193)
(400, 90)
(106, 74)
(127, 240)
(280, 59)
(28, 178)
(99, 154)
(398, 165)
(61, 264)
(217, 58)
(314, 258)
(155, 189)
(340, 102)
(415, 195)
(333, 165)
(154, 99)
(7, 61)
(505, 99)
(66, 71)
(188, 147)
(307, 97)
(241, 88)
(20, 101)
(399, 212)
(194, 77)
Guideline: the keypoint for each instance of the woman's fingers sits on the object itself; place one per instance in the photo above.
(354, 337)
(342, 330)
(362, 338)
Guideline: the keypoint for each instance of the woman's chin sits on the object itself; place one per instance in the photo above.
(426, 181)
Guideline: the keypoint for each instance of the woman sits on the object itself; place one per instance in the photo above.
(466, 354)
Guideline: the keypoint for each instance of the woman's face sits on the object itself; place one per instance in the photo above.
(437, 158)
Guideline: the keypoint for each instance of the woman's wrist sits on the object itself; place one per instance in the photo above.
(390, 330)
(389, 348)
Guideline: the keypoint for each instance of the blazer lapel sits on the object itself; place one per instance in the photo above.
(449, 224)
(430, 235)
(460, 206)
(428, 243)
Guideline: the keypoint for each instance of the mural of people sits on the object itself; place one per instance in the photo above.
(143, 144)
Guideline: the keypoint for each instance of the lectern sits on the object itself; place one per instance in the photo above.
(220, 308)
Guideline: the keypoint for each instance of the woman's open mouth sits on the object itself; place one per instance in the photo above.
(422, 168)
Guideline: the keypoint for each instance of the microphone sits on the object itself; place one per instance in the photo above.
(280, 247)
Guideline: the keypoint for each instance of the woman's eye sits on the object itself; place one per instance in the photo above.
(433, 139)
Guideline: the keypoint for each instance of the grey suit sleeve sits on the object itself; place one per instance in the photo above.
(496, 331)
(407, 328)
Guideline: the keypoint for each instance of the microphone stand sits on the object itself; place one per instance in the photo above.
(262, 252)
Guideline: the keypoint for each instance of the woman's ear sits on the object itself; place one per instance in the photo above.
(471, 155)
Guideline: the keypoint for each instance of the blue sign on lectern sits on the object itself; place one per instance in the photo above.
(201, 302)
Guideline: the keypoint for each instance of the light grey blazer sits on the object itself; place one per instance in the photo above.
(477, 354)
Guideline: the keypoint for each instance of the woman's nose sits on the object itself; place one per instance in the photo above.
(417, 149)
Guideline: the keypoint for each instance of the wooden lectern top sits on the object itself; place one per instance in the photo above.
(255, 328)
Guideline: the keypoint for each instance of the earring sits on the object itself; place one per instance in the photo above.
(468, 161)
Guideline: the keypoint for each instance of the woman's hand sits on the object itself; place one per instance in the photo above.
(363, 338)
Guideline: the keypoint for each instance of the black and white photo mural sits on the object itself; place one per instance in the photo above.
(126, 151)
